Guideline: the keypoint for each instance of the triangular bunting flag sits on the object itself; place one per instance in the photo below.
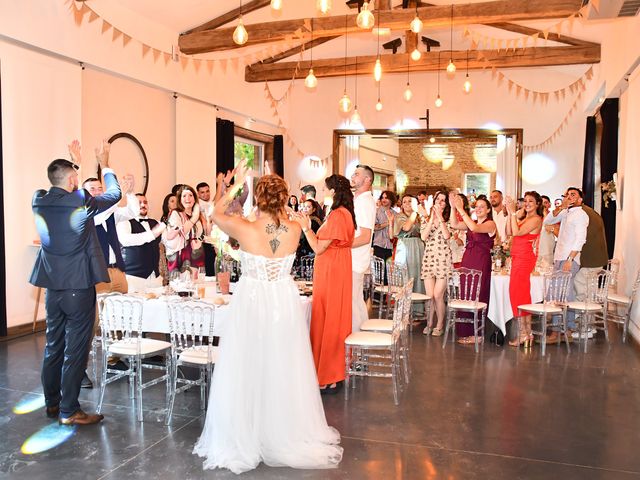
(156, 54)
(535, 97)
(589, 73)
(145, 49)
(116, 34)
(197, 62)
(166, 56)
(234, 63)
(125, 39)
(545, 34)
(535, 37)
(526, 93)
(184, 61)
(223, 65)
(105, 26)
(510, 86)
(518, 89)
(93, 16)
(210, 64)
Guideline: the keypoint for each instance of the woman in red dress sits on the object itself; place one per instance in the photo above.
(524, 225)
(331, 307)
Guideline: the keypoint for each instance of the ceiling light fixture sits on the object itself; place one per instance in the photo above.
(451, 68)
(467, 83)
(377, 69)
(416, 54)
(345, 102)
(311, 81)
(355, 117)
(323, 6)
(365, 19)
(276, 5)
(240, 35)
(438, 99)
(416, 23)
(408, 94)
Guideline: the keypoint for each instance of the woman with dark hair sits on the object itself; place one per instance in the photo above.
(383, 228)
(312, 209)
(436, 261)
(265, 404)
(293, 203)
(169, 204)
(525, 225)
(185, 232)
(332, 277)
(477, 253)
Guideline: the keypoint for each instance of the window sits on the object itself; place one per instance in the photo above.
(251, 150)
(477, 184)
(380, 184)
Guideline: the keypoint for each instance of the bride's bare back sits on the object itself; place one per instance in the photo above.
(264, 237)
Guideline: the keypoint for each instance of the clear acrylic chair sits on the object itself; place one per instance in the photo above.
(377, 282)
(397, 276)
(555, 288)
(463, 292)
(121, 326)
(591, 312)
(619, 306)
(306, 268)
(374, 354)
(192, 346)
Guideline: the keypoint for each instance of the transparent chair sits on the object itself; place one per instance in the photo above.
(463, 291)
(378, 289)
(306, 268)
(591, 312)
(192, 345)
(374, 354)
(121, 325)
(619, 307)
(555, 287)
(397, 276)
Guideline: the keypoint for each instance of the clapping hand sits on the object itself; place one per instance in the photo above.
(510, 204)
(74, 151)
(240, 172)
(302, 219)
(102, 154)
(428, 203)
(230, 174)
(414, 205)
(422, 211)
(128, 184)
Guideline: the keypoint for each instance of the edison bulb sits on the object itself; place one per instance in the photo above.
(365, 19)
(311, 81)
(355, 118)
(451, 68)
(432, 140)
(408, 94)
(377, 70)
(345, 103)
(276, 4)
(467, 85)
(379, 105)
(240, 35)
(416, 25)
(415, 55)
(438, 101)
(323, 6)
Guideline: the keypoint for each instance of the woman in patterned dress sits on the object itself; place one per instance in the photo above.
(436, 261)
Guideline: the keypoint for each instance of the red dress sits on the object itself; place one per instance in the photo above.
(331, 307)
(523, 261)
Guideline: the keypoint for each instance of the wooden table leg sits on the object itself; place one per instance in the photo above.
(35, 310)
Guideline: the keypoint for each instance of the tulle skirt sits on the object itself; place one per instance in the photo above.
(265, 403)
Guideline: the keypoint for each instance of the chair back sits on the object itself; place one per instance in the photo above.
(598, 286)
(613, 265)
(121, 316)
(556, 287)
(377, 271)
(191, 325)
(306, 267)
(406, 314)
(397, 275)
(464, 284)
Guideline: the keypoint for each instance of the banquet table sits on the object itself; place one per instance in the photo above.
(499, 310)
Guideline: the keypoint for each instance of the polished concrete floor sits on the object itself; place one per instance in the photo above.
(503, 413)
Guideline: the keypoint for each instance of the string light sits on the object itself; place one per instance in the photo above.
(416, 23)
(311, 81)
(467, 83)
(416, 54)
(365, 19)
(323, 6)
(276, 5)
(408, 94)
(355, 118)
(345, 102)
(451, 68)
(377, 69)
(438, 101)
(240, 35)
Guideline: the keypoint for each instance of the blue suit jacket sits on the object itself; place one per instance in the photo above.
(70, 256)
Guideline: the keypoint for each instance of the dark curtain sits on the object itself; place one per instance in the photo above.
(225, 140)
(278, 155)
(609, 164)
(588, 170)
(3, 273)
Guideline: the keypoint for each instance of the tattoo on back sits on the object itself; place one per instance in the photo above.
(271, 229)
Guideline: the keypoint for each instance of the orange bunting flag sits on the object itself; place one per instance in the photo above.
(210, 64)
(116, 34)
(184, 61)
(105, 26)
(125, 39)
(166, 56)
(156, 54)
(145, 50)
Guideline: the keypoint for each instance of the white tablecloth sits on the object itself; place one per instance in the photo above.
(499, 311)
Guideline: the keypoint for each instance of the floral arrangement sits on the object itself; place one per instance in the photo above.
(608, 192)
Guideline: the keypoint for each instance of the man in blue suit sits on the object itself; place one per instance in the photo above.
(69, 264)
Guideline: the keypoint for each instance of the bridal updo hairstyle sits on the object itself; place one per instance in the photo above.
(343, 196)
(272, 194)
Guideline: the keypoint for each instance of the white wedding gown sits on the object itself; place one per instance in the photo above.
(265, 403)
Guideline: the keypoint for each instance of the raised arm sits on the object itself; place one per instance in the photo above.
(113, 193)
(231, 225)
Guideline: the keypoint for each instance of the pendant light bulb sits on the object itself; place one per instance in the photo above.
(240, 35)
(416, 25)
(365, 19)
(379, 106)
(323, 6)
(467, 85)
(416, 54)
(408, 94)
(377, 70)
(355, 118)
(438, 101)
(345, 103)
(276, 5)
(311, 81)
(451, 68)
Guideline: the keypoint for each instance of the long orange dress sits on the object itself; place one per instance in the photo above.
(331, 306)
(523, 261)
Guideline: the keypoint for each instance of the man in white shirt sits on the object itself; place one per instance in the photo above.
(499, 215)
(206, 207)
(365, 209)
(572, 236)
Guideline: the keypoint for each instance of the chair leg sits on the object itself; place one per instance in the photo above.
(625, 325)
(347, 369)
(604, 322)
(139, 387)
(171, 383)
(103, 381)
(394, 376)
(202, 388)
(447, 326)
(543, 340)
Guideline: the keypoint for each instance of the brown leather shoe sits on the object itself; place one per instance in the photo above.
(53, 412)
(81, 418)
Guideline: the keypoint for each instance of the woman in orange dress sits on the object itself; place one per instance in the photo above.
(524, 225)
(331, 306)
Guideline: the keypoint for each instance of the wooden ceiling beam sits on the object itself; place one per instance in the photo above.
(434, 16)
(335, 67)
(292, 51)
(230, 16)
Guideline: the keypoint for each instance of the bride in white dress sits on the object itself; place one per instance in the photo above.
(265, 403)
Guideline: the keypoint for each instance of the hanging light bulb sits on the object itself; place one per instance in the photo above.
(451, 68)
(240, 35)
(416, 24)
(355, 118)
(408, 94)
(416, 54)
(323, 6)
(438, 101)
(467, 85)
(311, 81)
(365, 19)
(345, 103)
(276, 4)
(377, 70)
(379, 105)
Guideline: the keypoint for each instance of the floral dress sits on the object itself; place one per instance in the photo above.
(436, 261)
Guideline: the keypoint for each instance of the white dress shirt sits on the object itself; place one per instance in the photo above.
(364, 207)
(501, 223)
(573, 232)
(129, 239)
(132, 210)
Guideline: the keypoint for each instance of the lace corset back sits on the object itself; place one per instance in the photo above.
(266, 269)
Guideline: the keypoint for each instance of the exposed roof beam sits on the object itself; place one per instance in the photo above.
(230, 16)
(298, 49)
(434, 16)
(333, 67)
(554, 37)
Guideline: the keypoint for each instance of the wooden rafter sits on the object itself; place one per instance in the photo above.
(298, 49)
(230, 16)
(435, 16)
(332, 67)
